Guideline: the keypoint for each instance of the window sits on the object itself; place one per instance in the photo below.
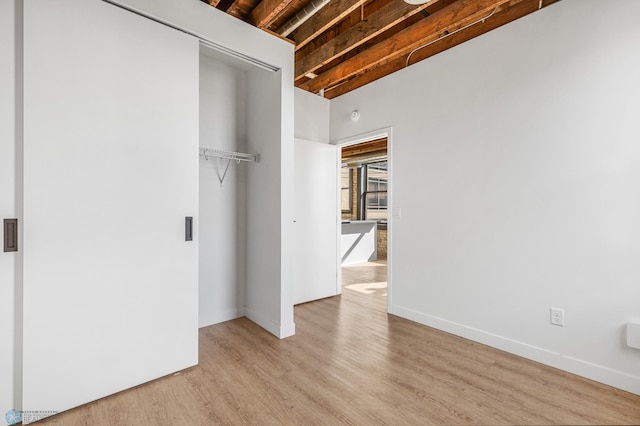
(370, 191)
(346, 188)
(376, 193)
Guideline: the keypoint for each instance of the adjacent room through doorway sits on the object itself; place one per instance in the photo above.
(364, 204)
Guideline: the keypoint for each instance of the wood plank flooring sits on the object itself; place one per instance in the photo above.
(351, 363)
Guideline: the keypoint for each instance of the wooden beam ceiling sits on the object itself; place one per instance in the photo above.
(222, 5)
(501, 18)
(376, 24)
(401, 44)
(268, 11)
(349, 43)
(327, 17)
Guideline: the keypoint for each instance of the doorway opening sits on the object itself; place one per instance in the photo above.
(365, 213)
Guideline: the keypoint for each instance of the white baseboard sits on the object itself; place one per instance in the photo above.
(279, 330)
(582, 368)
(222, 316)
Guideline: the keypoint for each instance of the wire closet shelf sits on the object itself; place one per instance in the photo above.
(229, 156)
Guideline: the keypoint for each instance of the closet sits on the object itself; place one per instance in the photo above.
(223, 187)
(241, 216)
(117, 208)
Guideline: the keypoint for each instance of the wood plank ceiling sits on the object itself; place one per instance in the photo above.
(346, 44)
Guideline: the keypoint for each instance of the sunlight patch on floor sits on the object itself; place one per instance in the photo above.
(366, 264)
(367, 288)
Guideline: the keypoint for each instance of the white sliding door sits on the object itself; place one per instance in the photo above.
(110, 172)
(316, 184)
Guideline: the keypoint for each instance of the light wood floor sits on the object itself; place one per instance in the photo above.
(351, 363)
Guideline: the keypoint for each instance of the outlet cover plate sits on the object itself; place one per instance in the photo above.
(633, 334)
(557, 316)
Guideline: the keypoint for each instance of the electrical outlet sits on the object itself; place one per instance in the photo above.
(557, 316)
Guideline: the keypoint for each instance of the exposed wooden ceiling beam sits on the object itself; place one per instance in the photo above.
(334, 12)
(281, 37)
(365, 78)
(223, 5)
(401, 44)
(374, 146)
(377, 23)
(516, 11)
(242, 8)
(268, 11)
(512, 11)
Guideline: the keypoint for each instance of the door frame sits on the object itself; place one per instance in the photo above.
(385, 132)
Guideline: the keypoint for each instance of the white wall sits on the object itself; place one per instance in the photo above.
(222, 219)
(8, 208)
(311, 116)
(517, 172)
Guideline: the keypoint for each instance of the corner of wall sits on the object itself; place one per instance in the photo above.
(312, 117)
